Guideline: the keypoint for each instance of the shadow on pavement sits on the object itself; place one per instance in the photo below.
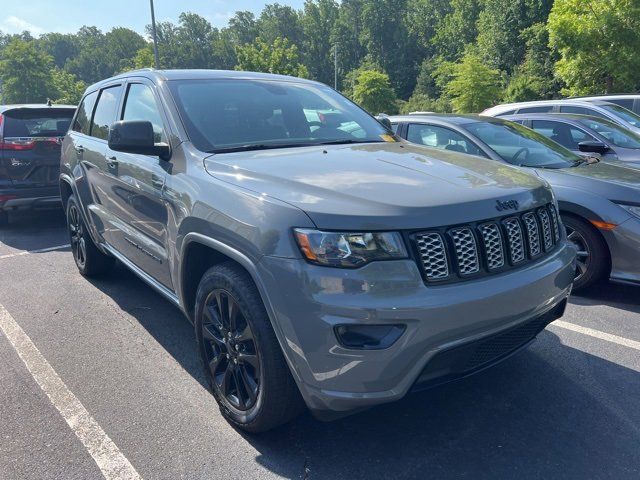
(33, 231)
(549, 412)
(625, 297)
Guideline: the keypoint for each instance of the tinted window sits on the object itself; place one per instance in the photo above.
(623, 102)
(141, 105)
(227, 114)
(83, 119)
(442, 138)
(566, 135)
(520, 145)
(394, 127)
(105, 113)
(540, 109)
(37, 122)
(623, 113)
(580, 110)
(615, 134)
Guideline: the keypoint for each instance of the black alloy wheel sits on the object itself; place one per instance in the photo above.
(231, 353)
(583, 255)
(76, 233)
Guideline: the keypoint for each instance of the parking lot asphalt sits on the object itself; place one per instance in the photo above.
(567, 407)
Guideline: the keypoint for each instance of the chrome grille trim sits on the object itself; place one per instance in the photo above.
(457, 253)
(533, 238)
(493, 246)
(515, 239)
(555, 222)
(464, 243)
(547, 233)
(433, 254)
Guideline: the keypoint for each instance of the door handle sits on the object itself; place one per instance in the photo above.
(157, 182)
(79, 150)
(112, 161)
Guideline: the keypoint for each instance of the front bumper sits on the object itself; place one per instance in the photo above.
(30, 198)
(624, 245)
(308, 301)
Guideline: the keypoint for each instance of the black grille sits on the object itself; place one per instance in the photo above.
(466, 251)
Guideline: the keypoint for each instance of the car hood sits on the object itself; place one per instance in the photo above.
(380, 186)
(612, 181)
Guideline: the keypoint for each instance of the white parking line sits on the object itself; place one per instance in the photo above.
(625, 342)
(39, 250)
(111, 462)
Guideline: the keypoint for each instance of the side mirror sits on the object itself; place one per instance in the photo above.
(136, 136)
(591, 146)
(386, 123)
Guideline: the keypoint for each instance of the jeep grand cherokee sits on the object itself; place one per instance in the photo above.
(322, 260)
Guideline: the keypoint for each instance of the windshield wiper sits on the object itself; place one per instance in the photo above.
(256, 146)
(347, 141)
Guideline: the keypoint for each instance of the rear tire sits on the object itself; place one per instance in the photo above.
(593, 255)
(247, 372)
(89, 260)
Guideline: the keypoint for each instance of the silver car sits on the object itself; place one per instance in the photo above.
(599, 202)
(629, 101)
(584, 134)
(597, 108)
(321, 260)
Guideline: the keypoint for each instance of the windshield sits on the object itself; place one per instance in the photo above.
(621, 112)
(519, 145)
(35, 122)
(235, 114)
(615, 134)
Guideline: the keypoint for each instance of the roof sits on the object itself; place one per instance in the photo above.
(449, 118)
(4, 108)
(570, 101)
(168, 75)
(557, 116)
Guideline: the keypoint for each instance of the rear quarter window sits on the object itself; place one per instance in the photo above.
(36, 122)
(105, 112)
(82, 122)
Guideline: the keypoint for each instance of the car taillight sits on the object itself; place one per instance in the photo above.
(17, 144)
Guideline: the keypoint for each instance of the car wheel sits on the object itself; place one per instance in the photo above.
(244, 364)
(89, 260)
(592, 260)
(4, 219)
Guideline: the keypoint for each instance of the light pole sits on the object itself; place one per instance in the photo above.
(155, 38)
(335, 67)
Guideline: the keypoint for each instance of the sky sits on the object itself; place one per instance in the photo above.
(66, 16)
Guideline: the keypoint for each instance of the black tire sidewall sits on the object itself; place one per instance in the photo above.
(218, 278)
(598, 250)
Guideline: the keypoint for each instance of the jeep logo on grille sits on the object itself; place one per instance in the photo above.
(507, 205)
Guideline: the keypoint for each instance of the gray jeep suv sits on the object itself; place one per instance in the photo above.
(322, 260)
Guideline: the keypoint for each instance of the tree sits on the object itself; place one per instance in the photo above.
(61, 46)
(598, 43)
(457, 29)
(278, 21)
(317, 21)
(346, 35)
(280, 57)
(68, 89)
(373, 92)
(471, 85)
(25, 73)
(243, 28)
(419, 102)
(120, 48)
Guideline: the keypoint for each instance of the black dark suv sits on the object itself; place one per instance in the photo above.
(30, 139)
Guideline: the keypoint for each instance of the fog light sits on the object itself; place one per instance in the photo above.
(368, 337)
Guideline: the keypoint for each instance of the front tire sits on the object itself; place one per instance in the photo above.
(593, 254)
(244, 364)
(89, 260)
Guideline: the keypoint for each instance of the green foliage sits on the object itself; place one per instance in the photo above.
(374, 93)
(68, 89)
(470, 84)
(317, 20)
(457, 29)
(279, 57)
(598, 42)
(25, 73)
(419, 102)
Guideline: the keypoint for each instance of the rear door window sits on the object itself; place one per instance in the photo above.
(623, 102)
(106, 112)
(581, 111)
(538, 109)
(82, 122)
(37, 122)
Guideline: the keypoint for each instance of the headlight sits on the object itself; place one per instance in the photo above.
(632, 209)
(349, 250)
